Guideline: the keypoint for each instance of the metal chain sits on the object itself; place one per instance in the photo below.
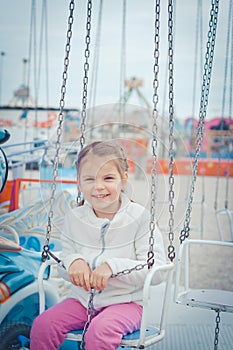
(202, 113)
(59, 129)
(90, 313)
(171, 248)
(128, 271)
(85, 84)
(85, 78)
(150, 260)
(216, 333)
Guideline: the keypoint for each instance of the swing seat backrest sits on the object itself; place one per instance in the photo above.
(205, 295)
(221, 224)
(156, 300)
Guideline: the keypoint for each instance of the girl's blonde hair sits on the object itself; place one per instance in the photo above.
(103, 149)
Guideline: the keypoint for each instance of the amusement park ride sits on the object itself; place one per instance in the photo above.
(29, 250)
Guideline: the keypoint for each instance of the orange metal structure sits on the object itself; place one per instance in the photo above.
(206, 167)
(10, 194)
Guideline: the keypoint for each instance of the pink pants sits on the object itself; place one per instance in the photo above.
(104, 332)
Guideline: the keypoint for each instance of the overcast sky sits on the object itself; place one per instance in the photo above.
(15, 16)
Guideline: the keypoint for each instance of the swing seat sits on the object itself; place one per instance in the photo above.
(150, 332)
(128, 340)
(214, 299)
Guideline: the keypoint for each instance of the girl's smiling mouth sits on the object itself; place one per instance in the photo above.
(100, 196)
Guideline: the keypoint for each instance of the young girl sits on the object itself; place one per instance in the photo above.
(106, 235)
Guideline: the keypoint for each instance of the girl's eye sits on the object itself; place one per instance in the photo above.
(89, 179)
(109, 178)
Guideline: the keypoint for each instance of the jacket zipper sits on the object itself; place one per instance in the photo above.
(103, 231)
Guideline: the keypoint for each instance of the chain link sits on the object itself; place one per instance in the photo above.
(202, 113)
(128, 271)
(216, 333)
(171, 248)
(59, 130)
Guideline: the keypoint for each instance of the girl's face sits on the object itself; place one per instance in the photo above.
(101, 183)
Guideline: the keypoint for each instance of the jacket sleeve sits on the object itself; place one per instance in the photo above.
(141, 245)
(70, 248)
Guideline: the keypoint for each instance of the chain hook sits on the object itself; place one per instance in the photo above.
(171, 252)
(150, 260)
(184, 233)
(45, 252)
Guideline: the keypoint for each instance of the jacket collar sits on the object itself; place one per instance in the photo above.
(94, 220)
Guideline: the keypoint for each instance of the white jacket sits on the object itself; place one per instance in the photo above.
(122, 242)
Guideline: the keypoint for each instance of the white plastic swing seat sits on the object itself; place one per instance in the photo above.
(214, 299)
(149, 333)
(128, 340)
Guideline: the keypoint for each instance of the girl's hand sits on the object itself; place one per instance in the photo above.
(100, 276)
(79, 273)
